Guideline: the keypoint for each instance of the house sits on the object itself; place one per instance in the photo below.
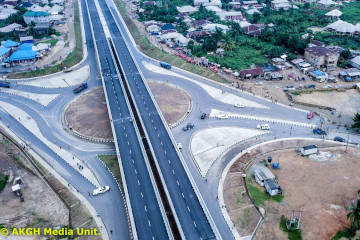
(197, 34)
(357, 86)
(318, 76)
(199, 23)
(251, 11)
(4, 53)
(272, 188)
(205, 3)
(212, 27)
(355, 62)
(148, 3)
(252, 30)
(214, 9)
(23, 56)
(316, 43)
(37, 17)
(58, 2)
(27, 39)
(342, 27)
(10, 2)
(263, 174)
(42, 47)
(350, 74)
(57, 18)
(6, 11)
(231, 16)
(252, 73)
(186, 9)
(235, 5)
(334, 14)
(167, 26)
(327, 3)
(10, 44)
(307, 150)
(277, 4)
(322, 57)
(56, 9)
(249, 3)
(26, 5)
(10, 28)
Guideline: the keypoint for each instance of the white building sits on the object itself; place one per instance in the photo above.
(277, 4)
(36, 17)
(307, 150)
(186, 9)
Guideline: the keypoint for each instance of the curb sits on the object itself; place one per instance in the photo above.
(12, 93)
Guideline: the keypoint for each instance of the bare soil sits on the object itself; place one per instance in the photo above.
(41, 208)
(322, 190)
(89, 117)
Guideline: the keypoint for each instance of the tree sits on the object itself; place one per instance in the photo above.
(228, 43)
(345, 54)
(256, 17)
(209, 44)
(217, 35)
(356, 120)
(354, 214)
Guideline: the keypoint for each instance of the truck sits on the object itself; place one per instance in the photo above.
(319, 131)
(4, 84)
(188, 126)
(263, 127)
(165, 65)
(81, 87)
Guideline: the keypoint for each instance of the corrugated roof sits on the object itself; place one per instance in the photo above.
(10, 43)
(26, 46)
(4, 50)
(35, 14)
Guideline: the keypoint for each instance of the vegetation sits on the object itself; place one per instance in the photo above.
(147, 48)
(293, 234)
(351, 12)
(3, 181)
(259, 196)
(73, 58)
(356, 120)
(112, 163)
(347, 233)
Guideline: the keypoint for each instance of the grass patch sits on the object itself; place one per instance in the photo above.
(239, 198)
(112, 163)
(51, 41)
(147, 48)
(259, 196)
(3, 181)
(294, 234)
(347, 233)
(73, 58)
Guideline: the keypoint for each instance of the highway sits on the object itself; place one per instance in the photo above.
(193, 221)
(144, 204)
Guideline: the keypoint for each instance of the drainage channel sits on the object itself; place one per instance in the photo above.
(169, 214)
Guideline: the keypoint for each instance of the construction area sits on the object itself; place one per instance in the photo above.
(320, 186)
(88, 115)
(28, 201)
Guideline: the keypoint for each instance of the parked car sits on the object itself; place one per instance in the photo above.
(289, 88)
(339, 86)
(263, 127)
(101, 190)
(311, 86)
(319, 131)
(4, 84)
(327, 86)
(339, 139)
(239, 105)
(310, 115)
(258, 83)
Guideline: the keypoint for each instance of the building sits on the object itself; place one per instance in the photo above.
(212, 27)
(231, 16)
(205, 3)
(355, 62)
(10, 28)
(214, 9)
(252, 73)
(318, 76)
(235, 5)
(186, 9)
(36, 17)
(334, 14)
(307, 150)
(4, 53)
(277, 4)
(272, 188)
(23, 56)
(10, 44)
(322, 57)
(350, 75)
(327, 3)
(263, 174)
(252, 30)
(27, 39)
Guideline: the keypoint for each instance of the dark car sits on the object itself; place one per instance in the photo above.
(339, 139)
(203, 116)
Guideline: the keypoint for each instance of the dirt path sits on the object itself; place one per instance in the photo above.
(88, 115)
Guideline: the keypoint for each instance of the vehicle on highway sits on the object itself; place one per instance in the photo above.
(310, 115)
(5, 84)
(339, 139)
(179, 145)
(66, 70)
(239, 105)
(81, 87)
(311, 86)
(165, 65)
(222, 116)
(101, 190)
(263, 127)
(319, 131)
(258, 83)
(204, 115)
(188, 126)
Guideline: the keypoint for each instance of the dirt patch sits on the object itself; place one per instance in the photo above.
(88, 115)
(41, 208)
(321, 189)
(174, 103)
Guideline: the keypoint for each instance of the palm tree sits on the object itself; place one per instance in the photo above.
(354, 214)
(228, 43)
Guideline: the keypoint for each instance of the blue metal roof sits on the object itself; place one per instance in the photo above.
(26, 46)
(22, 55)
(318, 73)
(10, 43)
(4, 50)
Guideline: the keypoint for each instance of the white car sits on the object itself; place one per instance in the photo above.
(223, 116)
(263, 127)
(258, 83)
(179, 145)
(239, 105)
(101, 190)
